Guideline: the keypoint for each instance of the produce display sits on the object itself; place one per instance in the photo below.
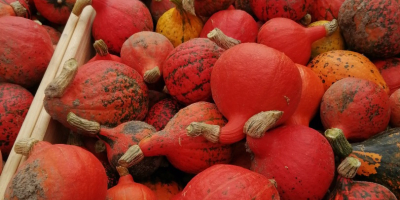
(201, 100)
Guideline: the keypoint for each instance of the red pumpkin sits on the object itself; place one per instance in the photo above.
(268, 9)
(111, 15)
(146, 52)
(359, 107)
(56, 11)
(394, 102)
(160, 114)
(159, 7)
(57, 171)
(15, 102)
(325, 9)
(371, 27)
(54, 34)
(102, 52)
(390, 71)
(229, 182)
(26, 51)
(187, 70)
(292, 38)
(299, 158)
(188, 154)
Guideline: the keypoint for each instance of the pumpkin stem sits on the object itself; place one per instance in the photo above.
(258, 124)
(79, 6)
(91, 127)
(188, 6)
(222, 40)
(25, 145)
(209, 131)
(19, 9)
(331, 27)
(74, 139)
(99, 146)
(101, 47)
(122, 171)
(57, 87)
(348, 167)
(131, 157)
(338, 141)
(165, 90)
(152, 75)
(306, 20)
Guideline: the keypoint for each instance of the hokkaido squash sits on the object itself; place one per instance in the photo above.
(334, 65)
(268, 9)
(394, 101)
(56, 11)
(325, 9)
(102, 52)
(390, 71)
(328, 43)
(163, 111)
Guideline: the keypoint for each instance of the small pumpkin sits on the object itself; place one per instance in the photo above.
(268, 9)
(394, 101)
(328, 43)
(163, 111)
(56, 11)
(390, 71)
(102, 52)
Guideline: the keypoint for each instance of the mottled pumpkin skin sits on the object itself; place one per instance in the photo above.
(348, 189)
(268, 9)
(394, 102)
(390, 71)
(379, 159)
(325, 9)
(188, 154)
(334, 65)
(229, 182)
(371, 27)
(15, 102)
(159, 7)
(128, 189)
(25, 51)
(187, 70)
(164, 191)
(327, 43)
(206, 8)
(107, 92)
(111, 16)
(58, 172)
(357, 106)
(163, 111)
(55, 12)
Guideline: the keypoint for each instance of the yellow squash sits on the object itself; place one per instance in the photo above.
(325, 44)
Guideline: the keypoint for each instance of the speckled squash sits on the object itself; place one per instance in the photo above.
(206, 8)
(229, 182)
(328, 43)
(357, 106)
(163, 191)
(163, 111)
(57, 171)
(159, 7)
(299, 158)
(268, 9)
(371, 27)
(178, 25)
(25, 49)
(56, 11)
(334, 65)
(187, 70)
(325, 9)
(15, 102)
(390, 71)
(111, 15)
(394, 102)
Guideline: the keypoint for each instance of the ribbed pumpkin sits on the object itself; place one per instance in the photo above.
(328, 43)
(163, 111)
(178, 25)
(187, 70)
(104, 91)
(334, 65)
(102, 52)
(57, 171)
(163, 191)
(56, 11)
(394, 102)
(159, 7)
(25, 49)
(188, 154)
(15, 102)
(325, 9)
(268, 9)
(390, 71)
(229, 182)
(371, 27)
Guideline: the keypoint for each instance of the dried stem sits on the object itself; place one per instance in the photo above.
(152, 75)
(331, 27)
(80, 5)
(258, 124)
(25, 145)
(122, 171)
(131, 157)
(57, 87)
(306, 20)
(209, 131)
(19, 9)
(338, 141)
(222, 40)
(83, 124)
(348, 167)
(99, 146)
(100, 47)
(188, 6)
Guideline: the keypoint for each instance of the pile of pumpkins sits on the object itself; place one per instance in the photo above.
(203, 99)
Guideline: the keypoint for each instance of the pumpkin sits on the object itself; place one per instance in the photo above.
(102, 52)
(57, 171)
(224, 181)
(311, 96)
(334, 65)
(25, 49)
(163, 191)
(56, 11)
(120, 93)
(159, 7)
(187, 70)
(128, 189)
(54, 34)
(15, 102)
(160, 114)
(328, 43)
(325, 9)
(390, 71)
(268, 9)
(146, 52)
(256, 88)
(132, 15)
(206, 8)
(178, 25)
(19, 8)
(299, 158)
(371, 27)
(188, 154)
(292, 38)
(394, 102)
(359, 107)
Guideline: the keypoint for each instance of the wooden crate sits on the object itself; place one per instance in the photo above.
(75, 42)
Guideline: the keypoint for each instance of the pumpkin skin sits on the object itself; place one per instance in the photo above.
(15, 102)
(58, 172)
(133, 15)
(268, 9)
(266, 70)
(299, 158)
(159, 7)
(236, 24)
(55, 11)
(325, 9)
(187, 70)
(120, 95)
(25, 49)
(206, 8)
(163, 191)
(334, 65)
(327, 43)
(163, 111)
(390, 71)
(394, 102)
(224, 181)
(357, 106)
(371, 27)
(54, 34)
